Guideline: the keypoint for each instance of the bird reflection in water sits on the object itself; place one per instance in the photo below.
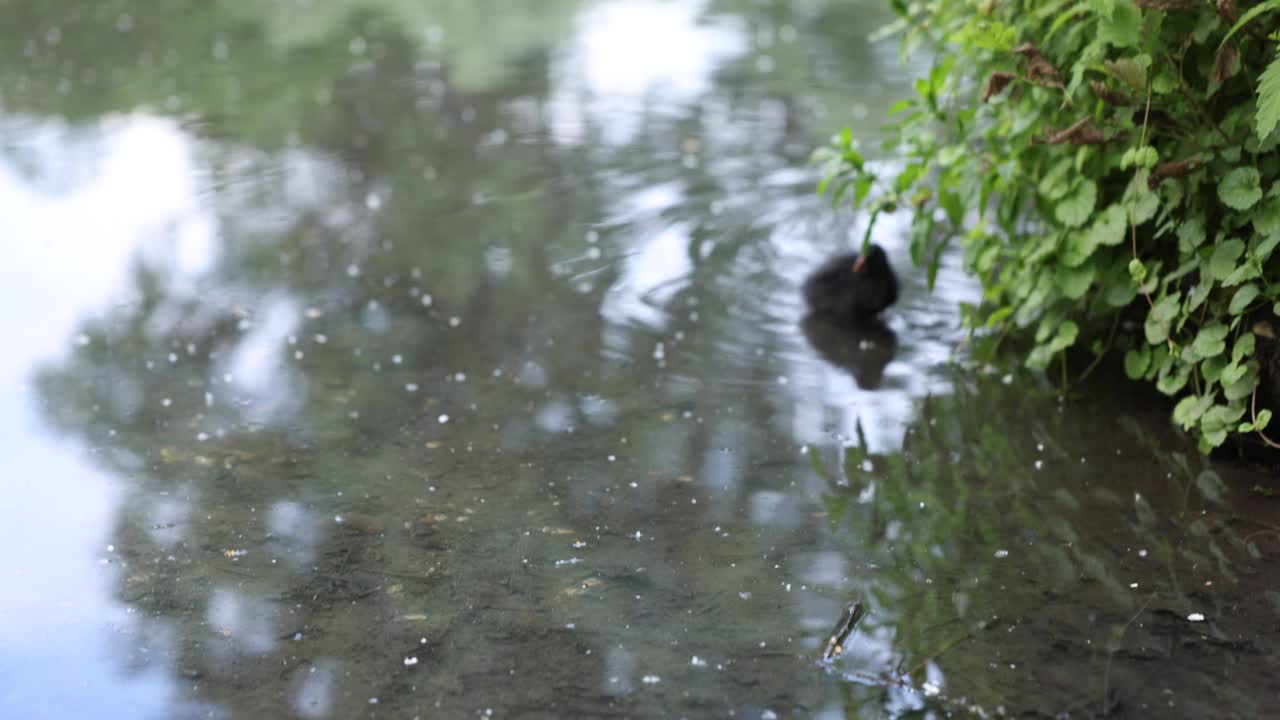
(864, 349)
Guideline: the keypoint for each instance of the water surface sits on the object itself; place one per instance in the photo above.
(382, 359)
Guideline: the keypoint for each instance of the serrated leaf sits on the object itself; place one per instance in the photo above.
(1242, 298)
(1240, 189)
(1074, 209)
(1223, 261)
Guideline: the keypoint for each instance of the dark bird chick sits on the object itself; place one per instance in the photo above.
(852, 287)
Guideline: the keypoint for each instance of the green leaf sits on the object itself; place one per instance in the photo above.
(1264, 417)
(1191, 232)
(1243, 387)
(1066, 337)
(1171, 383)
(1223, 260)
(1242, 298)
(1109, 227)
(1266, 216)
(1137, 270)
(1240, 188)
(1136, 362)
(1268, 99)
(1212, 368)
(1075, 281)
(1210, 341)
(1231, 373)
(1146, 157)
(1077, 248)
(1190, 408)
(1121, 29)
(1156, 327)
(1243, 272)
(1039, 357)
(1074, 209)
(1244, 347)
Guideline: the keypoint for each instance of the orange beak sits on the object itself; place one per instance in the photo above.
(859, 263)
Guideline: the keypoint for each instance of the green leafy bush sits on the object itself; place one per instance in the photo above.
(1110, 168)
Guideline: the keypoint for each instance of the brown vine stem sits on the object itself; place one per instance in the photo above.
(1253, 415)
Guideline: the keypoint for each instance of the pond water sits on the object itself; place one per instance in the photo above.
(381, 359)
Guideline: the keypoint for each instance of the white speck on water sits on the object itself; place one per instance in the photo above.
(321, 338)
(697, 661)
(82, 339)
(593, 253)
(1039, 447)
(442, 419)
(612, 458)
(397, 359)
(373, 701)
(745, 595)
(1039, 464)
(930, 689)
(410, 661)
(426, 300)
(353, 270)
(569, 561)
(592, 236)
(571, 626)
(1142, 553)
(650, 679)
(460, 377)
(455, 321)
(1007, 379)
(111, 548)
(373, 201)
(1002, 553)
(201, 437)
(782, 380)
(358, 45)
(1196, 617)
(166, 402)
(411, 387)
(1133, 586)
(354, 414)
(634, 484)
(298, 355)
(768, 715)
(867, 465)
